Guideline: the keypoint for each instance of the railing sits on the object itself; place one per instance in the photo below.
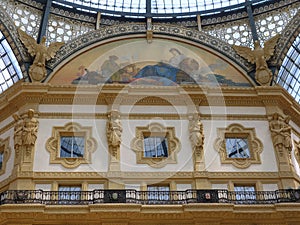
(147, 197)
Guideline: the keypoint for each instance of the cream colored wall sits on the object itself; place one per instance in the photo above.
(99, 157)
(212, 157)
(128, 156)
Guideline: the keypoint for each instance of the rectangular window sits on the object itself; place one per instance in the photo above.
(245, 193)
(72, 146)
(68, 194)
(160, 193)
(155, 146)
(237, 147)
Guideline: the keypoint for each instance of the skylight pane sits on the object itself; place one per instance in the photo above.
(10, 71)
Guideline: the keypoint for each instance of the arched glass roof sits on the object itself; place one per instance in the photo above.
(289, 73)
(155, 7)
(10, 71)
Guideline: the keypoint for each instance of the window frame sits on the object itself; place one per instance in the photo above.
(174, 146)
(155, 135)
(245, 195)
(165, 193)
(72, 135)
(71, 129)
(235, 136)
(237, 130)
(67, 198)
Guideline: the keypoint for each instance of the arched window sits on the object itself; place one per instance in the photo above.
(289, 73)
(10, 71)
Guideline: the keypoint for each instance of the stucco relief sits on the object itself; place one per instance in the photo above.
(255, 146)
(53, 144)
(153, 129)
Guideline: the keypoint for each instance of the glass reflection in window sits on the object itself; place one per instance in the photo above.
(237, 148)
(72, 146)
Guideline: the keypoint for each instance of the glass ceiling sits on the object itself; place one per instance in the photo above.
(153, 7)
(289, 73)
(10, 71)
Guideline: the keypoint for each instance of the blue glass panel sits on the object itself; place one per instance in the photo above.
(71, 146)
(10, 71)
(155, 146)
(237, 148)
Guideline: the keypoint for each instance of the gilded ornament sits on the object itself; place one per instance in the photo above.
(41, 54)
(259, 56)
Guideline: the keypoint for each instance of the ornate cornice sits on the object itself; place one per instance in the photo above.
(29, 93)
(123, 214)
(149, 175)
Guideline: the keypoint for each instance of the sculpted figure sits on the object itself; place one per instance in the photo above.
(29, 131)
(281, 133)
(41, 54)
(196, 131)
(287, 134)
(18, 133)
(259, 56)
(114, 129)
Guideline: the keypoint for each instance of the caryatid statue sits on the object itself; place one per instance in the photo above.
(114, 132)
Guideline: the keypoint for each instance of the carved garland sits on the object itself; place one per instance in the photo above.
(137, 145)
(71, 129)
(5, 150)
(237, 130)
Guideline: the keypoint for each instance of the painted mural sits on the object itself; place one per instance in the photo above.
(162, 62)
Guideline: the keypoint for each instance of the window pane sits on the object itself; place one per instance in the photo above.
(158, 192)
(10, 71)
(71, 146)
(237, 148)
(69, 193)
(245, 193)
(155, 146)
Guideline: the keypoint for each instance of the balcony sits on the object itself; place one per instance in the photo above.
(148, 197)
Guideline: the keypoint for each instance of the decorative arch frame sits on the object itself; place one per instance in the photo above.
(237, 130)
(137, 145)
(121, 31)
(72, 128)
